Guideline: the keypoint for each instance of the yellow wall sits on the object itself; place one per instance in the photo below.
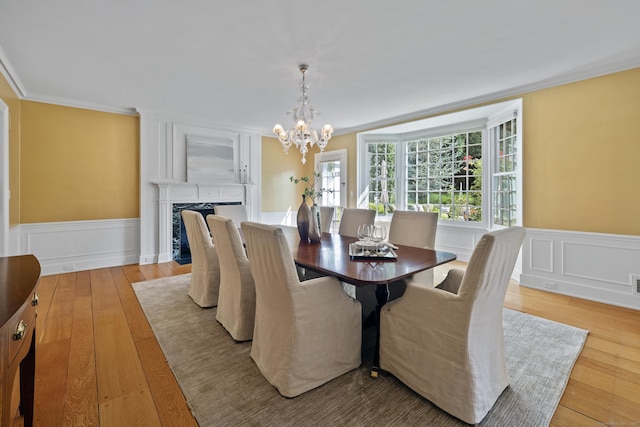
(278, 193)
(579, 156)
(78, 164)
(581, 151)
(11, 99)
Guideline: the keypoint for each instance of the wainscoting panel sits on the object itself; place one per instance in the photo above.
(592, 266)
(541, 258)
(63, 247)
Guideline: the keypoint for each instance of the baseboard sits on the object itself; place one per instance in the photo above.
(63, 247)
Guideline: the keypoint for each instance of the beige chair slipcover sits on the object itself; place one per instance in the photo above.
(205, 268)
(417, 229)
(306, 333)
(237, 213)
(446, 343)
(237, 298)
(352, 218)
(326, 218)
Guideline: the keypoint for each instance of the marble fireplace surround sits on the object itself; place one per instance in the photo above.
(188, 193)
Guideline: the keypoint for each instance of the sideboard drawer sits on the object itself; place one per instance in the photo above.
(21, 328)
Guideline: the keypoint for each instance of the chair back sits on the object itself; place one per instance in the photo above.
(487, 275)
(352, 218)
(237, 213)
(272, 265)
(236, 300)
(234, 265)
(197, 235)
(411, 228)
(326, 218)
(205, 266)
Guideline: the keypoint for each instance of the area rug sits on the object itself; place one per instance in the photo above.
(224, 387)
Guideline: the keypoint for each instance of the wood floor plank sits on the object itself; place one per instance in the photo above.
(620, 314)
(608, 383)
(133, 273)
(81, 400)
(600, 405)
(122, 385)
(172, 406)
(174, 269)
(151, 271)
(138, 323)
(614, 348)
(60, 313)
(618, 367)
(565, 417)
(131, 409)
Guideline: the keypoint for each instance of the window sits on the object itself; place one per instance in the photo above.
(505, 167)
(438, 165)
(444, 175)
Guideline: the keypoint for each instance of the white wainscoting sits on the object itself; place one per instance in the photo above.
(591, 266)
(63, 247)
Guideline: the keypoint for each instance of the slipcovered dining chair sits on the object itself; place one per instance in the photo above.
(237, 213)
(237, 298)
(326, 218)
(446, 343)
(352, 218)
(205, 267)
(306, 333)
(417, 229)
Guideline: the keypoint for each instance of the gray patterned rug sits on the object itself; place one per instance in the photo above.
(225, 388)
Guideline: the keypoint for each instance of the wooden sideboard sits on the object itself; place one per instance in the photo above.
(18, 299)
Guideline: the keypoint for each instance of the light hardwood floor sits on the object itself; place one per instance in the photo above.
(99, 364)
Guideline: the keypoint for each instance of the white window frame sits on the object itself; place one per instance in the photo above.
(497, 119)
(478, 118)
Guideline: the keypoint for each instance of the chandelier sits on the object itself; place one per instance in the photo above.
(302, 134)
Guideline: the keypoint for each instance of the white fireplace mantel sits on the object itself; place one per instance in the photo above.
(170, 192)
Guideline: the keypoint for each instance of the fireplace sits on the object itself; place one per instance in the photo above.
(181, 251)
(173, 197)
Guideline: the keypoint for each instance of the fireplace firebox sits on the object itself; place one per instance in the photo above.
(181, 251)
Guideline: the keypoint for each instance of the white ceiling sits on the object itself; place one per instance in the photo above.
(235, 63)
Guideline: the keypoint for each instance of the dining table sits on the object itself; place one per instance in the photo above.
(331, 256)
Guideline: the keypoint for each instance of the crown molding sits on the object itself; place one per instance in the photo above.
(84, 105)
(10, 75)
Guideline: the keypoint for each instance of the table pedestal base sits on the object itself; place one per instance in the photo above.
(372, 301)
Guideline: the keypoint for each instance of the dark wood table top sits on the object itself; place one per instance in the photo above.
(18, 277)
(330, 256)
